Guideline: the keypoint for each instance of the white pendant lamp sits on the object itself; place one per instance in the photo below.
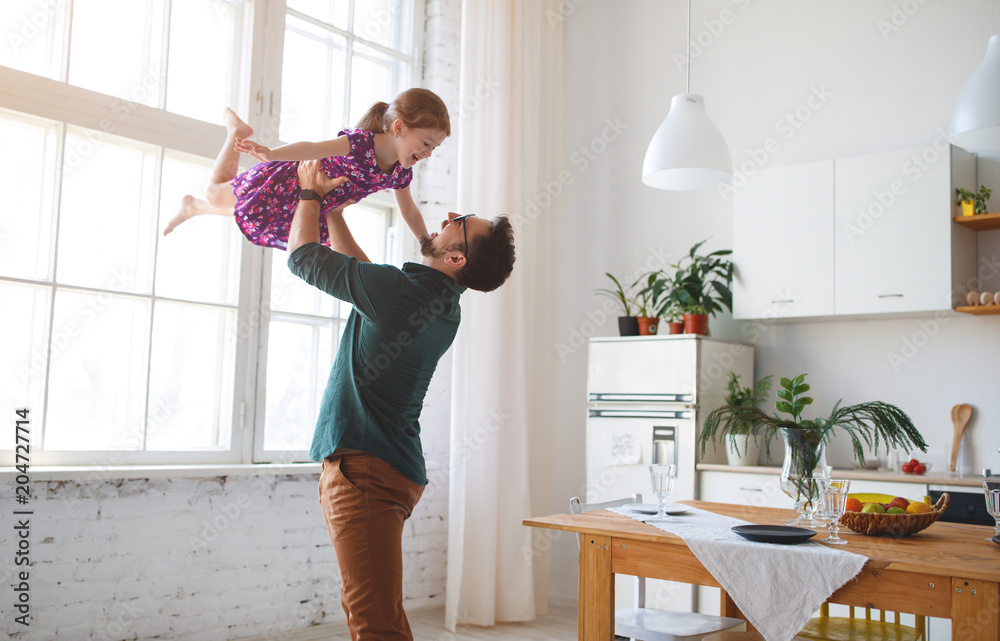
(976, 123)
(687, 151)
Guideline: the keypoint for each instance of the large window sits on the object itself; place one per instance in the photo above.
(131, 347)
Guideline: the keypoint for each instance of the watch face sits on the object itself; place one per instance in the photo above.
(309, 194)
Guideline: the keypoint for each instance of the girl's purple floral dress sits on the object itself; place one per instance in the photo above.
(268, 193)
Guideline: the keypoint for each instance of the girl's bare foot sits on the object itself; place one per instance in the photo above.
(235, 126)
(190, 206)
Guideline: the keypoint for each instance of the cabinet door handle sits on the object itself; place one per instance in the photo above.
(751, 489)
(890, 295)
(783, 301)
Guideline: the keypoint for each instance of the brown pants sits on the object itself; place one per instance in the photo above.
(365, 502)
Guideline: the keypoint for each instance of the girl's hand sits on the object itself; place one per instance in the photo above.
(251, 148)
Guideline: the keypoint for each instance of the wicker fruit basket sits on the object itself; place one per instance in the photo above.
(893, 524)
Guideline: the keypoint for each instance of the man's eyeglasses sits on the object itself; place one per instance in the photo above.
(465, 234)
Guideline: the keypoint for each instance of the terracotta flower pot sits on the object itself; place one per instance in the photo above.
(648, 326)
(696, 324)
(628, 326)
(676, 328)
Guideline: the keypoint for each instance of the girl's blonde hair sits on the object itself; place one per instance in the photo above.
(417, 108)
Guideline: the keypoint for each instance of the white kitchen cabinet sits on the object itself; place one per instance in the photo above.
(894, 231)
(758, 490)
(862, 235)
(783, 248)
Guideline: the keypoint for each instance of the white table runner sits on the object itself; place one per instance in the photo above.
(777, 587)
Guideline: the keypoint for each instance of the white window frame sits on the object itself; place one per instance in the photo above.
(58, 101)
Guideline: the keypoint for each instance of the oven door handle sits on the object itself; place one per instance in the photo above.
(682, 414)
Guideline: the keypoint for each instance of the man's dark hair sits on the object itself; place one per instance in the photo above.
(491, 258)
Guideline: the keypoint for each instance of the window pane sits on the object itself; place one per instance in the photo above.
(329, 11)
(200, 260)
(369, 226)
(295, 383)
(127, 65)
(26, 181)
(374, 77)
(106, 213)
(200, 78)
(289, 293)
(25, 327)
(97, 384)
(312, 83)
(387, 22)
(33, 36)
(191, 377)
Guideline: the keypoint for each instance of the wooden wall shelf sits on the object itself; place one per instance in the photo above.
(978, 310)
(979, 222)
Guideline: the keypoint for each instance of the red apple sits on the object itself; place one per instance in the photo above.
(899, 502)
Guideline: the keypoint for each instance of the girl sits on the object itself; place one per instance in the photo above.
(379, 154)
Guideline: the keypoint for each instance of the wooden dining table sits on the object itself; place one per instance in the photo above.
(948, 570)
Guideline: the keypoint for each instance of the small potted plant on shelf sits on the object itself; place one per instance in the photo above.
(650, 299)
(973, 203)
(675, 318)
(868, 424)
(701, 287)
(628, 324)
(740, 449)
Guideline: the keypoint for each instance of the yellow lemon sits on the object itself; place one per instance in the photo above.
(917, 508)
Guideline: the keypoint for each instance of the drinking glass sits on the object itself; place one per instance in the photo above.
(991, 487)
(662, 478)
(822, 479)
(834, 505)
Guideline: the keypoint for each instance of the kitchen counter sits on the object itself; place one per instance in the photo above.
(933, 477)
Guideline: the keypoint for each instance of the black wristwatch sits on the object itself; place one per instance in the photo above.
(309, 194)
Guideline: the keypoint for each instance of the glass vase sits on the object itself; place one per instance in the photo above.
(804, 456)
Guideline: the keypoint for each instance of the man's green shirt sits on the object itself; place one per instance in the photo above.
(403, 321)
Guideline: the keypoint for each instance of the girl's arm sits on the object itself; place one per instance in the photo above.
(296, 150)
(411, 214)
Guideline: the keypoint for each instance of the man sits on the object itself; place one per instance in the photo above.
(368, 430)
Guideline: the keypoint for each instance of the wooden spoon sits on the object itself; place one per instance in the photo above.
(960, 415)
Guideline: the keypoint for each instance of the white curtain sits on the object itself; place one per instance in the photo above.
(510, 158)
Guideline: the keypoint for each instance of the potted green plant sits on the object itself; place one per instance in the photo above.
(973, 203)
(868, 424)
(741, 448)
(628, 324)
(649, 300)
(701, 287)
(675, 318)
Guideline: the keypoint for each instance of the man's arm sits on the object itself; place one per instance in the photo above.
(305, 223)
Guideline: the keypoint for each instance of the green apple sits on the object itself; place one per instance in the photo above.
(895, 510)
(873, 508)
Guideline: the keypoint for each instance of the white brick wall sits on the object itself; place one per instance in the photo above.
(231, 557)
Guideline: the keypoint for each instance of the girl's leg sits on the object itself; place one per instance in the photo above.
(219, 197)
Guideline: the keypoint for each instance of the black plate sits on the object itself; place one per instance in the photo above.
(996, 539)
(774, 533)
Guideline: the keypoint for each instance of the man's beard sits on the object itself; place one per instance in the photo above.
(427, 247)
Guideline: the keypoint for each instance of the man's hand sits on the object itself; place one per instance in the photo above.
(251, 148)
(312, 176)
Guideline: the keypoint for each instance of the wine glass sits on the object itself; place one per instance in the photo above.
(834, 505)
(662, 478)
(991, 487)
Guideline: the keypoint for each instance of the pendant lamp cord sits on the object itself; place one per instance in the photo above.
(689, 49)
